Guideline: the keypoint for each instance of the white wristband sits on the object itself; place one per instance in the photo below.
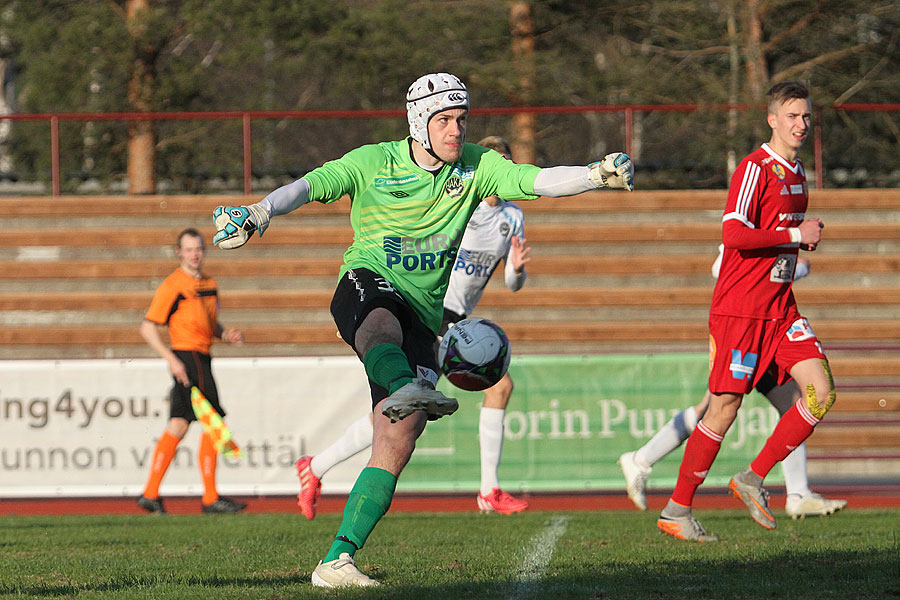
(795, 234)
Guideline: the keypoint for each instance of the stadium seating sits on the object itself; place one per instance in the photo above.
(610, 272)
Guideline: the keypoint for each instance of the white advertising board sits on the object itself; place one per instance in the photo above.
(88, 427)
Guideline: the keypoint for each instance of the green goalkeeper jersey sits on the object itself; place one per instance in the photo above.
(408, 222)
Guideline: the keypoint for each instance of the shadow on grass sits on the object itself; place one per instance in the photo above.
(795, 575)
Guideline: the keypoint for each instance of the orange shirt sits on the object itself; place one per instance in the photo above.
(189, 307)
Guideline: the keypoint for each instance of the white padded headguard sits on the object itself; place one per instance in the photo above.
(429, 95)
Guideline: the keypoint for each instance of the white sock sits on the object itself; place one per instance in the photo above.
(670, 436)
(356, 438)
(490, 436)
(794, 469)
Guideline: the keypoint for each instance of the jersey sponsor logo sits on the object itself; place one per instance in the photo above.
(797, 188)
(462, 172)
(454, 186)
(800, 330)
(475, 263)
(779, 171)
(392, 181)
(399, 194)
(791, 216)
(784, 191)
(742, 367)
(783, 269)
(421, 254)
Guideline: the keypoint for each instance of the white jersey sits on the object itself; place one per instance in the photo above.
(487, 241)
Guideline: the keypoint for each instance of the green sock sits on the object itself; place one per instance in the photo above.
(369, 499)
(387, 365)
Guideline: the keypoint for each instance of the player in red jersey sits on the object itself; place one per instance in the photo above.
(754, 321)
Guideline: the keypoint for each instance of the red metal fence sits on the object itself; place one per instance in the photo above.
(246, 117)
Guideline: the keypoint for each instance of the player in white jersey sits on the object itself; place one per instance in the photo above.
(800, 502)
(494, 233)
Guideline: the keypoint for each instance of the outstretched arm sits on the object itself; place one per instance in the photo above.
(614, 171)
(235, 224)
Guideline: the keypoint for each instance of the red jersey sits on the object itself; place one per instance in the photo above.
(767, 196)
(189, 307)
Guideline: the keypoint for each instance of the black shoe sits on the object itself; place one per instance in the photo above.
(224, 505)
(151, 505)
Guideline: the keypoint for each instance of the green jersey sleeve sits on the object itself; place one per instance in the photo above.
(503, 177)
(348, 175)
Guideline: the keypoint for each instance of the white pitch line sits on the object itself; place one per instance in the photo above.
(534, 565)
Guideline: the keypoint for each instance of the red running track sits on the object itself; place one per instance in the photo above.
(864, 497)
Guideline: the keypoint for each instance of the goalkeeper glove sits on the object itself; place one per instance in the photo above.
(235, 224)
(615, 171)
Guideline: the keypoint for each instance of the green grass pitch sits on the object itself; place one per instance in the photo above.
(592, 555)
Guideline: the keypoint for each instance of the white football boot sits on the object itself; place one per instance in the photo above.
(635, 479)
(341, 572)
(811, 505)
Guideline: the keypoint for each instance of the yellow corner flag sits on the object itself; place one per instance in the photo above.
(213, 425)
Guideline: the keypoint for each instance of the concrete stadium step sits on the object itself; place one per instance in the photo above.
(493, 298)
(600, 201)
(341, 235)
(547, 265)
(550, 331)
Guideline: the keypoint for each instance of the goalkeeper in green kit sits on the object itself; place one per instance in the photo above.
(411, 200)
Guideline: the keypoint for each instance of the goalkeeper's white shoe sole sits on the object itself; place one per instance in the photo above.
(418, 396)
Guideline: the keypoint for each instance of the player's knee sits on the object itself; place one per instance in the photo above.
(819, 400)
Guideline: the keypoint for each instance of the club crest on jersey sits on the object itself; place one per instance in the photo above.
(800, 330)
(778, 170)
(454, 186)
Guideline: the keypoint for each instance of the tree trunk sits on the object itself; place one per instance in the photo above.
(734, 62)
(523, 124)
(757, 71)
(6, 164)
(141, 138)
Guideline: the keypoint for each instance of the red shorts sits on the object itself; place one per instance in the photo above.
(741, 349)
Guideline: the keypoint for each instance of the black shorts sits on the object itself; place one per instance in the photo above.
(767, 381)
(199, 373)
(359, 292)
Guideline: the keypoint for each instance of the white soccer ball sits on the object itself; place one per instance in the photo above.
(474, 354)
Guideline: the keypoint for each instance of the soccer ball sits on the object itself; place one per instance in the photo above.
(474, 354)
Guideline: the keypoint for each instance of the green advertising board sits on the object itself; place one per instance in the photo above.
(571, 417)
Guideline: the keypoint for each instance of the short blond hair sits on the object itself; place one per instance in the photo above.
(495, 142)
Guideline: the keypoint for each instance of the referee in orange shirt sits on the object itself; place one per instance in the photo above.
(187, 303)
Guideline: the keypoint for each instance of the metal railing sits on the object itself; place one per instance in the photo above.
(246, 117)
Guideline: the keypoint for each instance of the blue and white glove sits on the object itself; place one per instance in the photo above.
(615, 171)
(235, 224)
